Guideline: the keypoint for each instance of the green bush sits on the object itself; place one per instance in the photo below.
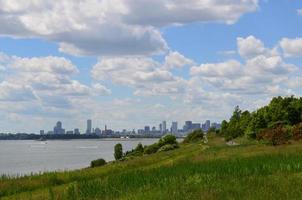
(98, 163)
(195, 136)
(168, 139)
(153, 148)
(168, 147)
(139, 148)
(118, 151)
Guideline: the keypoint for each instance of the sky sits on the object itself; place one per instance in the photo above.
(131, 63)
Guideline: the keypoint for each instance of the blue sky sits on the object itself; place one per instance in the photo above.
(126, 66)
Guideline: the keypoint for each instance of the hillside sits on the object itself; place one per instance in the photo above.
(193, 171)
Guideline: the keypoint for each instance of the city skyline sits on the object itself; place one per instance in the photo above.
(162, 129)
(108, 61)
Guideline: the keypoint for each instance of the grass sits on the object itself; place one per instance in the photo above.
(194, 171)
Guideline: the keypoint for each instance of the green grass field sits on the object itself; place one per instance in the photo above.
(194, 171)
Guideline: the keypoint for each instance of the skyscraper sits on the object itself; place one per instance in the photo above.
(174, 128)
(208, 125)
(164, 127)
(89, 126)
(58, 128)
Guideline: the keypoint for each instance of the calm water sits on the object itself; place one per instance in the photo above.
(23, 157)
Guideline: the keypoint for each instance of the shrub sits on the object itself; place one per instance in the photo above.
(168, 139)
(168, 147)
(151, 148)
(98, 163)
(297, 131)
(276, 136)
(195, 136)
(118, 151)
(139, 148)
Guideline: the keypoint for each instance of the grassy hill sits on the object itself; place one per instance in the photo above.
(193, 171)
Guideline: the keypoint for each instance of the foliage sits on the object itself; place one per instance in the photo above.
(297, 131)
(168, 147)
(276, 135)
(98, 163)
(167, 139)
(118, 151)
(195, 136)
(151, 148)
(287, 110)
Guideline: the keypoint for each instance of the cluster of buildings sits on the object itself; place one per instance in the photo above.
(188, 127)
(162, 129)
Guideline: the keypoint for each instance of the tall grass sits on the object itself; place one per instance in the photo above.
(190, 172)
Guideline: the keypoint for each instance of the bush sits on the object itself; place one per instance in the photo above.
(297, 132)
(118, 151)
(195, 136)
(168, 139)
(139, 148)
(98, 163)
(276, 136)
(168, 147)
(151, 148)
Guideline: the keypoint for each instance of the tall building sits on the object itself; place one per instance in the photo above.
(147, 129)
(188, 126)
(161, 128)
(174, 128)
(208, 125)
(89, 126)
(42, 132)
(58, 128)
(164, 128)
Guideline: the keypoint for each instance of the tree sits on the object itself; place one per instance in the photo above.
(139, 148)
(118, 151)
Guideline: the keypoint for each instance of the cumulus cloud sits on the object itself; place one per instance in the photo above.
(291, 47)
(12, 92)
(112, 27)
(44, 81)
(263, 71)
(145, 75)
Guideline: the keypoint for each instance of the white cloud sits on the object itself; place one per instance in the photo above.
(100, 89)
(112, 27)
(145, 75)
(229, 68)
(176, 60)
(12, 92)
(263, 72)
(251, 47)
(291, 47)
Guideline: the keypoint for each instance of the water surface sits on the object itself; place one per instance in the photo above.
(19, 157)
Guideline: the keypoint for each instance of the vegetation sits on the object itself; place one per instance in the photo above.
(274, 122)
(195, 170)
(98, 163)
(118, 151)
(195, 136)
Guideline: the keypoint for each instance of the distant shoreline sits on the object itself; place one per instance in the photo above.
(69, 137)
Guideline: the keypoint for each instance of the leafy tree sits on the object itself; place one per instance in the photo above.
(139, 148)
(167, 139)
(195, 136)
(98, 163)
(118, 151)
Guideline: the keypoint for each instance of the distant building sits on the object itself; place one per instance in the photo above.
(153, 129)
(207, 125)
(76, 131)
(164, 127)
(89, 126)
(174, 128)
(160, 128)
(58, 130)
(69, 132)
(147, 129)
(98, 131)
(42, 132)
